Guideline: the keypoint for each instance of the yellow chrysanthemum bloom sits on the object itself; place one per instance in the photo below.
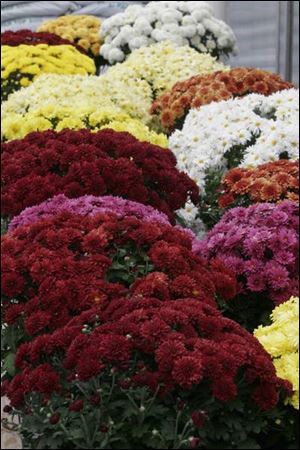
(83, 30)
(131, 86)
(22, 64)
(76, 92)
(17, 126)
(281, 341)
(163, 64)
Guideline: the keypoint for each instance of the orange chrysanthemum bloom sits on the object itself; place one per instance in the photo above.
(272, 182)
(203, 89)
(270, 192)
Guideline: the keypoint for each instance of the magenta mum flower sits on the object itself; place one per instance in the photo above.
(90, 205)
(260, 244)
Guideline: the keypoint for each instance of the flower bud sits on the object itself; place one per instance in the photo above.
(54, 418)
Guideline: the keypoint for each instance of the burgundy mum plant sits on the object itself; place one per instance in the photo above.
(28, 37)
(162, 374)
(77, 163)
(56, 268)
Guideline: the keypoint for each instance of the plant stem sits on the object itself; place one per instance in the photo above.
(176, 428)
(86, 429)
(153, 400)
(182, 436)
(112, 387)
(69, 437)
(82, 390)
(97, 421)
(132, 401)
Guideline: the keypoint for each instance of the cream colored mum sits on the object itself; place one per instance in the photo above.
(163, 64)
(79, 92)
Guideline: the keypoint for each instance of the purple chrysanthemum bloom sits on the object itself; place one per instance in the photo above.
(261, 245)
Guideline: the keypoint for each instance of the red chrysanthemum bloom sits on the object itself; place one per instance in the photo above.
(225, 200)
(224, 389)
(76, 406)
(266, 396)
(198, 418)
(76, 163)
(37, 322)
(28, 37)
(55, 418)
(63, 273)
(188, 371)
(169, 347)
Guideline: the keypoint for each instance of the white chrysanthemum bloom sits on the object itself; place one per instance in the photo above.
(138, 42)
(171, 28)
(115, 55)
(189, 31)
(199, 14)
(133, 10)
(267, 128)
(200, 29)
(143, 26)
(189, 215)
(189, 20)
(160, 35)
(210, 44)
(195, 41)
(105, 50)
(202, 48)
(170, 16)
(223, 41)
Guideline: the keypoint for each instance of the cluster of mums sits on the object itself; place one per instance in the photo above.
(150, 237)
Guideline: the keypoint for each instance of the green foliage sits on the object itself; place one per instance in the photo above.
(235, 154)
(138, 418)
(249, 310)
(209, 210)
(13, 83)
(128, 263)
(4, 225)
(11, 337)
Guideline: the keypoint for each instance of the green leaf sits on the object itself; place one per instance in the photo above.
(76, 434)
(9, 364)
(249, 444)
(168, 429)
(130, 411)
(139, 431)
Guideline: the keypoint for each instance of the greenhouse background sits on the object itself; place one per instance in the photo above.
(150, 224)
(267, 32)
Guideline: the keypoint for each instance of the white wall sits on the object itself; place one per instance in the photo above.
(219, 8)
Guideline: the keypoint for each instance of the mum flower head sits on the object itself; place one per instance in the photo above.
(77, 163)
(281, 340)
(66, 263)
(186, 24)
(260, 243)
(22, 64)
(200, 90)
